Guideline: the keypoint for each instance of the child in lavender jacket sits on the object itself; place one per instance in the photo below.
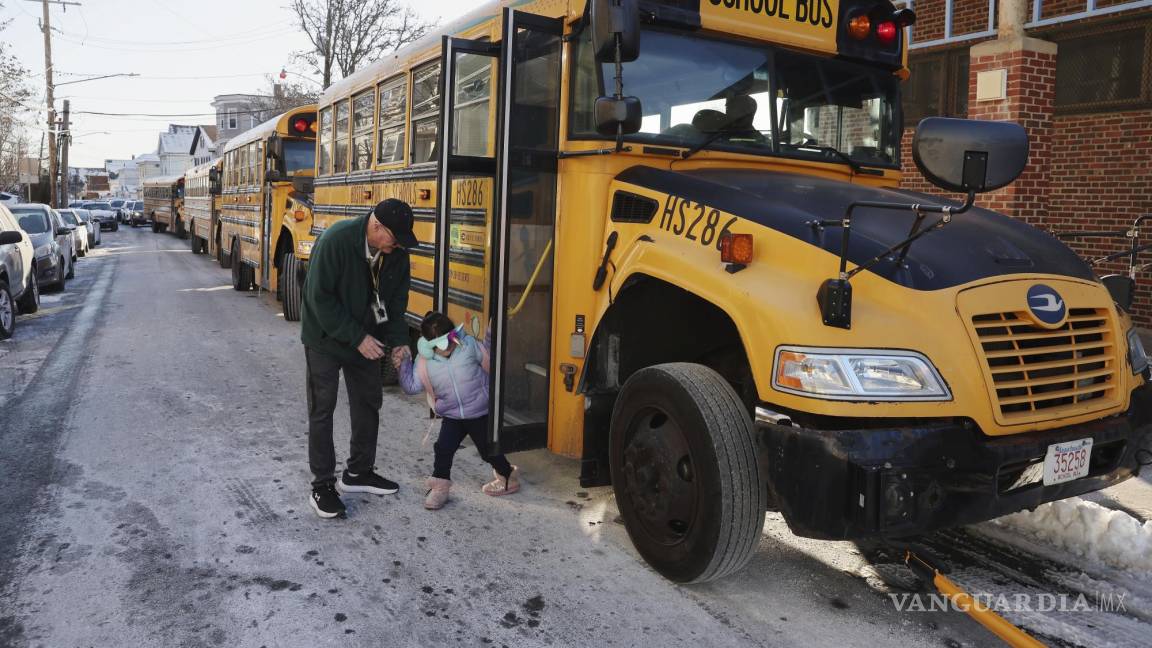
(452, 369)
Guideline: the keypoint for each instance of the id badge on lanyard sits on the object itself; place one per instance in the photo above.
(378, 310)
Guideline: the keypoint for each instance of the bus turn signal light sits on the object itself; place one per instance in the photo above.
(736, 248)
(301, 125)
(299, 215)
(859, 27)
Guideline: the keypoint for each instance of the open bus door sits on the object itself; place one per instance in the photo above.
(496, 212)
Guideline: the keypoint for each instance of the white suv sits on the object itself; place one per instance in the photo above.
(17, 280)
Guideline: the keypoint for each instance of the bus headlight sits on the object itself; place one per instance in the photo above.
(858, 374)
(1137, 357)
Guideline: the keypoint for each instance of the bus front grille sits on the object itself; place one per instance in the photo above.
(1041, 374)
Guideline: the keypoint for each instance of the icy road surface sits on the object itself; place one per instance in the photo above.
(153, 482)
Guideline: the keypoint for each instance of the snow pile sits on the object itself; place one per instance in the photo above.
(1088, 530)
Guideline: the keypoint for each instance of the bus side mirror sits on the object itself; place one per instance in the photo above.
(618, 114)
(214, 182)
(614, 20)
(966, 155)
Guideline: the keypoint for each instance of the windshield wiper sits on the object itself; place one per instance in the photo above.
(841, 155)
(708, 140)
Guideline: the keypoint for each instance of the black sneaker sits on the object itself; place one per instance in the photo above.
(326, 502)
(369, 482)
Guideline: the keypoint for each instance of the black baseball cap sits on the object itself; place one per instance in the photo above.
(396, 215)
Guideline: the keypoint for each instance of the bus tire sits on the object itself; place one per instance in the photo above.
(290, 285)
(155, 227)
(242, 274)
(195, 244)
(683, 461)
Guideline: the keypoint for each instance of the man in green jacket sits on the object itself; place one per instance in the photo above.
(355, 298)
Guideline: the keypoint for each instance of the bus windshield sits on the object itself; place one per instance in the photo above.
(299, 155)
(716, 94)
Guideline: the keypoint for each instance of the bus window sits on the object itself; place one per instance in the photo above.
(340, 140)
(363, 113)
(425, 113)
(470, 104)
(324, 150)
(393, 103)
(299, 155)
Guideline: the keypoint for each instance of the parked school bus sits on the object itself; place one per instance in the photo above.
(266, 228)
(202, 206)
(704, 284)
(164, 203)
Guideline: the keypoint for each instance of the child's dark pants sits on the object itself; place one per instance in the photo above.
(452, 432)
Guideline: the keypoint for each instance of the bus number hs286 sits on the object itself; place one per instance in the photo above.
(694, 221)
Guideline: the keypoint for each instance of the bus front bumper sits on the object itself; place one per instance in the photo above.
(904, 481)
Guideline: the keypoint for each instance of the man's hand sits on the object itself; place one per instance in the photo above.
(399, 355)
(371, 348)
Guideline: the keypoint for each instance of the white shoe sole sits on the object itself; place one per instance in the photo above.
(323, 514)
(342, 488)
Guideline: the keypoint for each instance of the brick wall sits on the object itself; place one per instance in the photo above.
(1085, 171)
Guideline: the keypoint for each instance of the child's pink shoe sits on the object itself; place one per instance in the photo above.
(437, 494)
(501, 486)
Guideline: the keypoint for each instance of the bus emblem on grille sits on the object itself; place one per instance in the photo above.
(1046, 305)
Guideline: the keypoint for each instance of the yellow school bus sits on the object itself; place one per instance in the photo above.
(202, 206)
(266, 228)
(683, 222)
(164, 203)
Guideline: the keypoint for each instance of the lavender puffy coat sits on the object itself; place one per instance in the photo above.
(460, 381)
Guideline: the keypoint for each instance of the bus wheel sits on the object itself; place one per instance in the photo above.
(684, 469)
(290, 285)
(242, 274)
(155, 227)
(195, 244)
(178, 229)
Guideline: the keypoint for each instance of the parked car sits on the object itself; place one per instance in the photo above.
(120, 206)
(9, 198)
(93, 226)
(79, 230)
(18, 286)
(75, 203)
(103, 212)
(52, 241)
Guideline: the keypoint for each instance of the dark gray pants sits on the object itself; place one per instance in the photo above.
(363, 384)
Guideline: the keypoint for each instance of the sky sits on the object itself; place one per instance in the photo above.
(184, 52)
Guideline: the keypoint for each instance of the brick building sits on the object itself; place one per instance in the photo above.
(1077, 74)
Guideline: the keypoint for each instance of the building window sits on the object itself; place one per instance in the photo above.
(232, 123)
(937, 87)
(1103, 70)
(425, 113)
(393, 110)
(363, 114)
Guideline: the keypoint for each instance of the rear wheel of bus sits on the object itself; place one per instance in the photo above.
(290, 287)
(684, 470)
(242, 274)
(222, 257)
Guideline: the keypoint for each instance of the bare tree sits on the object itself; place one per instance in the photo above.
(285, 96)
(14, 112)
(347, 34)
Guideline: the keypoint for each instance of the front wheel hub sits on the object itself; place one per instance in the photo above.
(659, 474)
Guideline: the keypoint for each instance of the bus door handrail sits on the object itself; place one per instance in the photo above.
(531, 281)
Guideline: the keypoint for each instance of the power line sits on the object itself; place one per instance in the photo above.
(166, 115)
(198, 48)
(275, 27)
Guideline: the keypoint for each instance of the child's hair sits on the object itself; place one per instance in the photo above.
(435, 324)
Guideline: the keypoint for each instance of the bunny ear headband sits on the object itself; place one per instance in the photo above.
(427, 348)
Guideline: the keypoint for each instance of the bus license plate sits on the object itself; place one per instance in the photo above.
(1067, 461)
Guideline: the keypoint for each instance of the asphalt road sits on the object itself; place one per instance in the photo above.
(154, 483)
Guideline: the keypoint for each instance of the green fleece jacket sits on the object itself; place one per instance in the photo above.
(337, 308)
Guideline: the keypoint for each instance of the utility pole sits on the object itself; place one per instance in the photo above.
(66, 139)
(46, 27)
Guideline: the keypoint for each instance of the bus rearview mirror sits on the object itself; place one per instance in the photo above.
(966, 155)
(611, 19)
(618, 115)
